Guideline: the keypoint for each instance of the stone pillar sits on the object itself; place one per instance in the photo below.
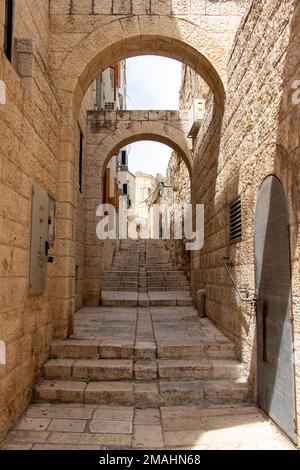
(65, 237)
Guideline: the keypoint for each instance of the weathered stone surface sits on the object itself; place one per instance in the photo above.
(115, 348)
(110, 427)
(66, 391)
(146, 394)
(145, 370)
(67, 425)
(109, 392)
(146, 437)
(75, 348)
(115, 413)
(103, 369)
(145, 350)
(235, 150)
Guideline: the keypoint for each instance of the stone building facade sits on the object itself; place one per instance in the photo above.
(248, 55)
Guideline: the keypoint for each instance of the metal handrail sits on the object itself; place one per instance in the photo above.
(243, 294)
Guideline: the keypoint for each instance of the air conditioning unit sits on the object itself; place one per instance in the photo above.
(109, 105)
(196, 116)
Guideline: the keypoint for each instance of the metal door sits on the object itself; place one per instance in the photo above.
(275, 366)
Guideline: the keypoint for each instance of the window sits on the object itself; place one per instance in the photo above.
(81, 139)
(8, 29)
(125, 189)
(109, 106)
(235, 221)
(124, 158)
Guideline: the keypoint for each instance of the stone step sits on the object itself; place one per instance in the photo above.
(119, 299)
(167, 277)
(133, 275)
(169, 288)
(161, 267)
(177, 393)
(89, 369)
(199, 369)
(141, 369)
(109, 348)
(120, 273)
(211, 350)
(154, 274)
(120, 280)
(116, 348)
(147, 394)
(119, 289)
(121, 393)
(162, 298)
(167, 282)
(114, 298)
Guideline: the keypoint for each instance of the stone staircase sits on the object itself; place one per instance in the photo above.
(146, 345)
(142, 273)
(123, 275)
(143, 357)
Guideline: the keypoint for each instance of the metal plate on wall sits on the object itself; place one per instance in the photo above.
(39, 236)
(275, 365)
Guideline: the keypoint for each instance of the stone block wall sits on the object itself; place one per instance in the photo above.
(177, 173)
(29, 136)
(260, 136)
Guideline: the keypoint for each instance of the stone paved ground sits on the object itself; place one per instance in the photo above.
(161, 332)
(77, 426)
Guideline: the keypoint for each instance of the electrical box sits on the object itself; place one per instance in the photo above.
(196, 116)
(42, 238)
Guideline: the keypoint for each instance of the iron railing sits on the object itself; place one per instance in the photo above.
(242, 293)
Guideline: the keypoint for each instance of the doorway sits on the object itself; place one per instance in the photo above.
(275, 366)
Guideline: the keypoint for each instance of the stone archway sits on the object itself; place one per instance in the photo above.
(171, 37)
(80, 50)
(109, 132)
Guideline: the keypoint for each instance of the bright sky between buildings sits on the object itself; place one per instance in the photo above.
(152, 83)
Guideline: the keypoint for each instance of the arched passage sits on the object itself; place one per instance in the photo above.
(166, 127)
(171, 37)
(104, 144)
(77, 63)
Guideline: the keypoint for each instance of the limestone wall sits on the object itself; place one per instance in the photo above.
(260, 136)
(29, 154)
(177, 173)
(29, 146)
(60, 48)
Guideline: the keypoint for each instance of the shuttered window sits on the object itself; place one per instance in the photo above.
(235, 221)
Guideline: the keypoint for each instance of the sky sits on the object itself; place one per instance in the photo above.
(152, 83)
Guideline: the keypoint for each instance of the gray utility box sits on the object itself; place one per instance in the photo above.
(42, 220)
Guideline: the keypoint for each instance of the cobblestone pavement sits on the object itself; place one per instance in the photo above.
(151, 358)
(83, 427)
